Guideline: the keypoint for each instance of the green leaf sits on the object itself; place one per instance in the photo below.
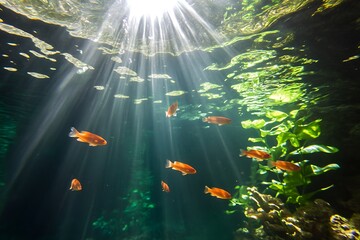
(294, 141)
(281, 128)
(307, 131)
(302, 199)
(255, 140)
(296, 179)
(276, 115)
(320, 170)
(257, 124)
(278, 152)
(230, 212)
(284, 136)
(241, 197)
(264, 133)
(314, 149)
(293, 113)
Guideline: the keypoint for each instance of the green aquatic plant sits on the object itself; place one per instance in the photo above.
(288, 137)
(131, 218)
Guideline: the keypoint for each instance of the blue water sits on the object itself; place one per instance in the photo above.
(122, 196)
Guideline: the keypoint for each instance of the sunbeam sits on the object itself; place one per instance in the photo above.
(152, 9)
(217, 99)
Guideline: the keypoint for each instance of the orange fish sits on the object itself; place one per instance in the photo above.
(172, 109)
(286, 166)
(75, 185)
(217, 120)
(87, 137)
(257, 154)
(179, 166)
(165, 187)
(217, 192)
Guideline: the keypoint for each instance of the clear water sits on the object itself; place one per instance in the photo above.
(313, 59)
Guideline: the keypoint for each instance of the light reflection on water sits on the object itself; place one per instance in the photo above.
(123, 96)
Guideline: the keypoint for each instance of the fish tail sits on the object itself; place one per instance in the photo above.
(242, 152)
(73, 132)
(271, 163)
(204, 119)
(206, 190)
(166, 114)
(168, 164)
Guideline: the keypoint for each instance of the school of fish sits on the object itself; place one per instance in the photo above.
(185, 169)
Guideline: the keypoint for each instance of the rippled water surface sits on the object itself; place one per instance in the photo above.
(284, 74)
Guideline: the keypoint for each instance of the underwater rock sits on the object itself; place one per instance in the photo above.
(342, 228)
(269, 218)
(355, 220)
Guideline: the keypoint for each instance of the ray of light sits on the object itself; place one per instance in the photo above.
(75, 101)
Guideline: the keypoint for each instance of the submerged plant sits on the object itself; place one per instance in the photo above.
(286, 137)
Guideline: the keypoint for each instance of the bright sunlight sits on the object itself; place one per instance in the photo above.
(152, 9)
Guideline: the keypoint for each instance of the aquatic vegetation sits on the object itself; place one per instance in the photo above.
(292, 134)
(289, 136)
(131, 218)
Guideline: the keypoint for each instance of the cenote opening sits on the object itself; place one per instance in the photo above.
(179, 119)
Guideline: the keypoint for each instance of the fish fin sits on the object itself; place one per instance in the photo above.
(204, 119)
(92, 145)
(174, 114)
(271, 163)
(73, 132)
(220, 124)
(242, 152)
(206, 190)
(80, 140)
(166, 114)
(183, 173)
(85, 132)
(168, 163)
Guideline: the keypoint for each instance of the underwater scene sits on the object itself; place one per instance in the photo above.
(179, 119)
